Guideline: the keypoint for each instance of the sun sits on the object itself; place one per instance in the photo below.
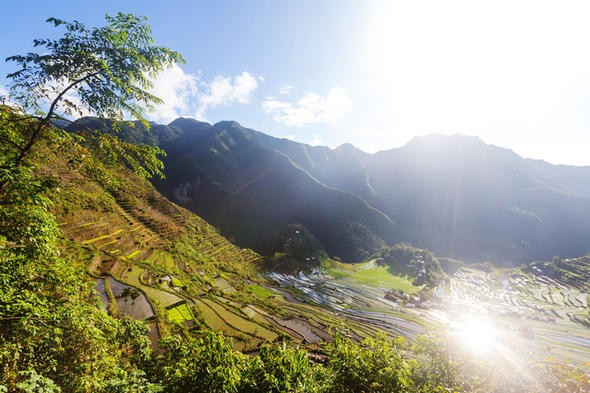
(477, 334)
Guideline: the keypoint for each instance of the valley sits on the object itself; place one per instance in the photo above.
(193, 279)
(533, 317)
(156, 262)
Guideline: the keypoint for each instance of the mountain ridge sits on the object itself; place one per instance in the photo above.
(455, 195)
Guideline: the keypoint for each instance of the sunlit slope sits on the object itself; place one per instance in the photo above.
(156, 261)
(571, 272)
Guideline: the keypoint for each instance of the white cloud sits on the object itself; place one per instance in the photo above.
(310, 109)
(185, 94)
(286, 89)
(225, 91)
(178, 90)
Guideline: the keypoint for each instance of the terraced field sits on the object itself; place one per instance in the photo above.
(358, 298)
(533, 315)
(156, 261)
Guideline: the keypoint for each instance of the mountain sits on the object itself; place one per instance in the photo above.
(252, 193)
(454, 195)
(468, 200)
(460, 197)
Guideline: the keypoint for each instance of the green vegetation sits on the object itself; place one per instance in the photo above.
(371, 274)
(53, 336)
(209, 364)
(260, 291)
(180, 314)
(56, 336)
(413, 262)
(108, 68)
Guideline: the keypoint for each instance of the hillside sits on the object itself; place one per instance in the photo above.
(253, 193)
(197, 257)
(460, 197)
(154, 261)
(127, 235)
(454, 195)
(115, 288)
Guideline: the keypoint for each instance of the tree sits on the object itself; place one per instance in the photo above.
(52, 335)
(106, 70)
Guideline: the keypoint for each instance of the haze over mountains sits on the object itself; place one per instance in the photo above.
(454, 195)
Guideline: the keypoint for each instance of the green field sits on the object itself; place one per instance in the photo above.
(180, 314)
(258, 290)
(371, 274)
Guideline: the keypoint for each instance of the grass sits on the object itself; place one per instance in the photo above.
(261, 291)
(239, 323)
(369, 273)
(180, 314)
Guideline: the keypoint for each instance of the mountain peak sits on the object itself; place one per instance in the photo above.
(447, 140)
(189, 123)
(227, 124)
(348, 148)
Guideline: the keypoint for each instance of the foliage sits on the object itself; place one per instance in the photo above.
(414, 262)
(53, 336)
(377, 365)
(24, 219)
(111, 151)
(299, 243)
(566, 378)
(280, 368)
(361, 241)
(206, 364)
(106, 70)
(438, 370)
(109, 68)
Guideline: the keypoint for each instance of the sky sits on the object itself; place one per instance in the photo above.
(371, 73)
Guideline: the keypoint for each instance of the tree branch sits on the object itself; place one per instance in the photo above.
(64, 91)
(45, 121)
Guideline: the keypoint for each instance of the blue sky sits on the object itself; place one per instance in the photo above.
(372, 73)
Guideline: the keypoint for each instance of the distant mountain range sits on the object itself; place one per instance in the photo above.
(454, 195)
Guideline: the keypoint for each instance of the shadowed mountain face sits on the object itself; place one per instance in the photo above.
(460, 197)
(454, 195)
(252, 193)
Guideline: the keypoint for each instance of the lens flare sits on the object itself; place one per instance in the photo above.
(477, 334)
